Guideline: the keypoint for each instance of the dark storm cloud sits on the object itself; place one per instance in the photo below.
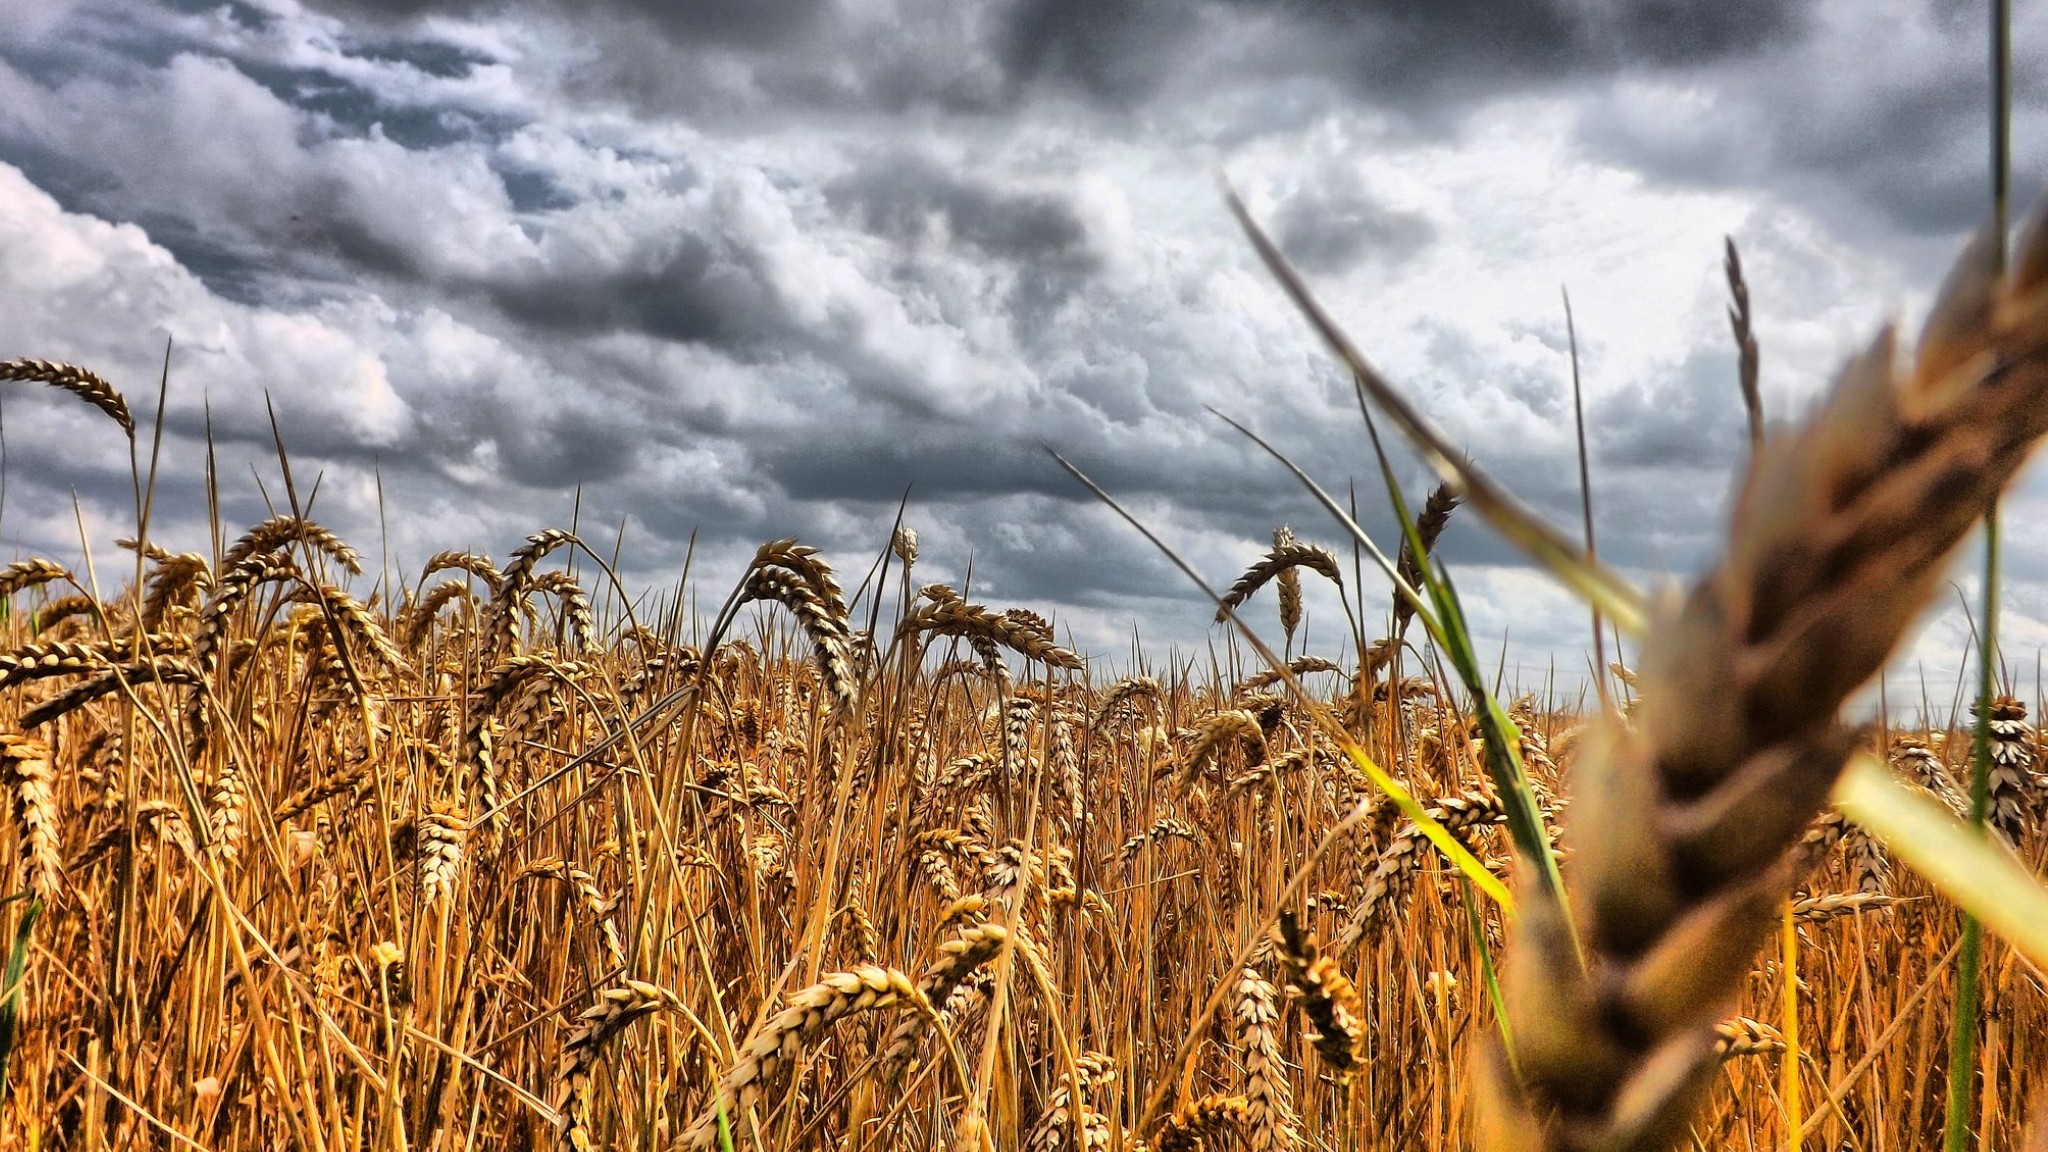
(1689, 418)
(1430, 59)
(1408, 53)
(684, 266)
(746, 22)
(691, 290)
(1894, 123)
(902, 196)
(1333, 224)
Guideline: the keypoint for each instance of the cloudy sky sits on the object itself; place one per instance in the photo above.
(753, 268)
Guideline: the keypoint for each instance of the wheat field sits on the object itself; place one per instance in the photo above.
(368, 888)
(477, 858)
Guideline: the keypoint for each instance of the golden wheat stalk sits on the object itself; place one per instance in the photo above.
(1436, 516)
(1069, 1122)
(1684, 818)
(1742, 1036)
(86, 385)
(956, 617)
(22, 575)
(278, 531)
(509, 597)
(1818, 909)
(615, 1010)
(25, 763)
(1912, 759)
(782, 1038)
(958, 959)
(1192, 1126)
(1215, 734)
(589, 895)
(162, 670)
(456, 560)
(1289, 587)
(1394, 872)
(2015, 794)
(575, 608)
(1297, 668)
(823, 625)
(1269, 1103)
(1283, 558)
(1329, 1000)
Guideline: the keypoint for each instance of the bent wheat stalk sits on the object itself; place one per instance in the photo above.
(1684, 818)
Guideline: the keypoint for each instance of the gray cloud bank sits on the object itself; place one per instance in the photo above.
(753, 269)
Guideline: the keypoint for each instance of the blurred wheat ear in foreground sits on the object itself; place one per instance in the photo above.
(1683, 817)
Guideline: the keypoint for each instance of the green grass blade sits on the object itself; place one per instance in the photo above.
(1600, 586)
(1454, 851)
(1503, 739)
(10, 998)
(1437, 835)
(1490, 977)
(1969, 867)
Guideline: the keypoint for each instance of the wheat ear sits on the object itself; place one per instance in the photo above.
(1436, 516)
(1283, 558)
(784, 1036)
(25, 574)
(1335, 1013)
(958, 959)
(1838, 540)
(281, 530)
(1269, 1105)
(1193, 1126)
(26, 763)
(616, 1008)
(87, 386)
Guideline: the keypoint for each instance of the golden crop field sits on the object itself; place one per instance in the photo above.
(484, 860)
(486, 864)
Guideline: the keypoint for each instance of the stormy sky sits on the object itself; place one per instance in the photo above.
(744, 269)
